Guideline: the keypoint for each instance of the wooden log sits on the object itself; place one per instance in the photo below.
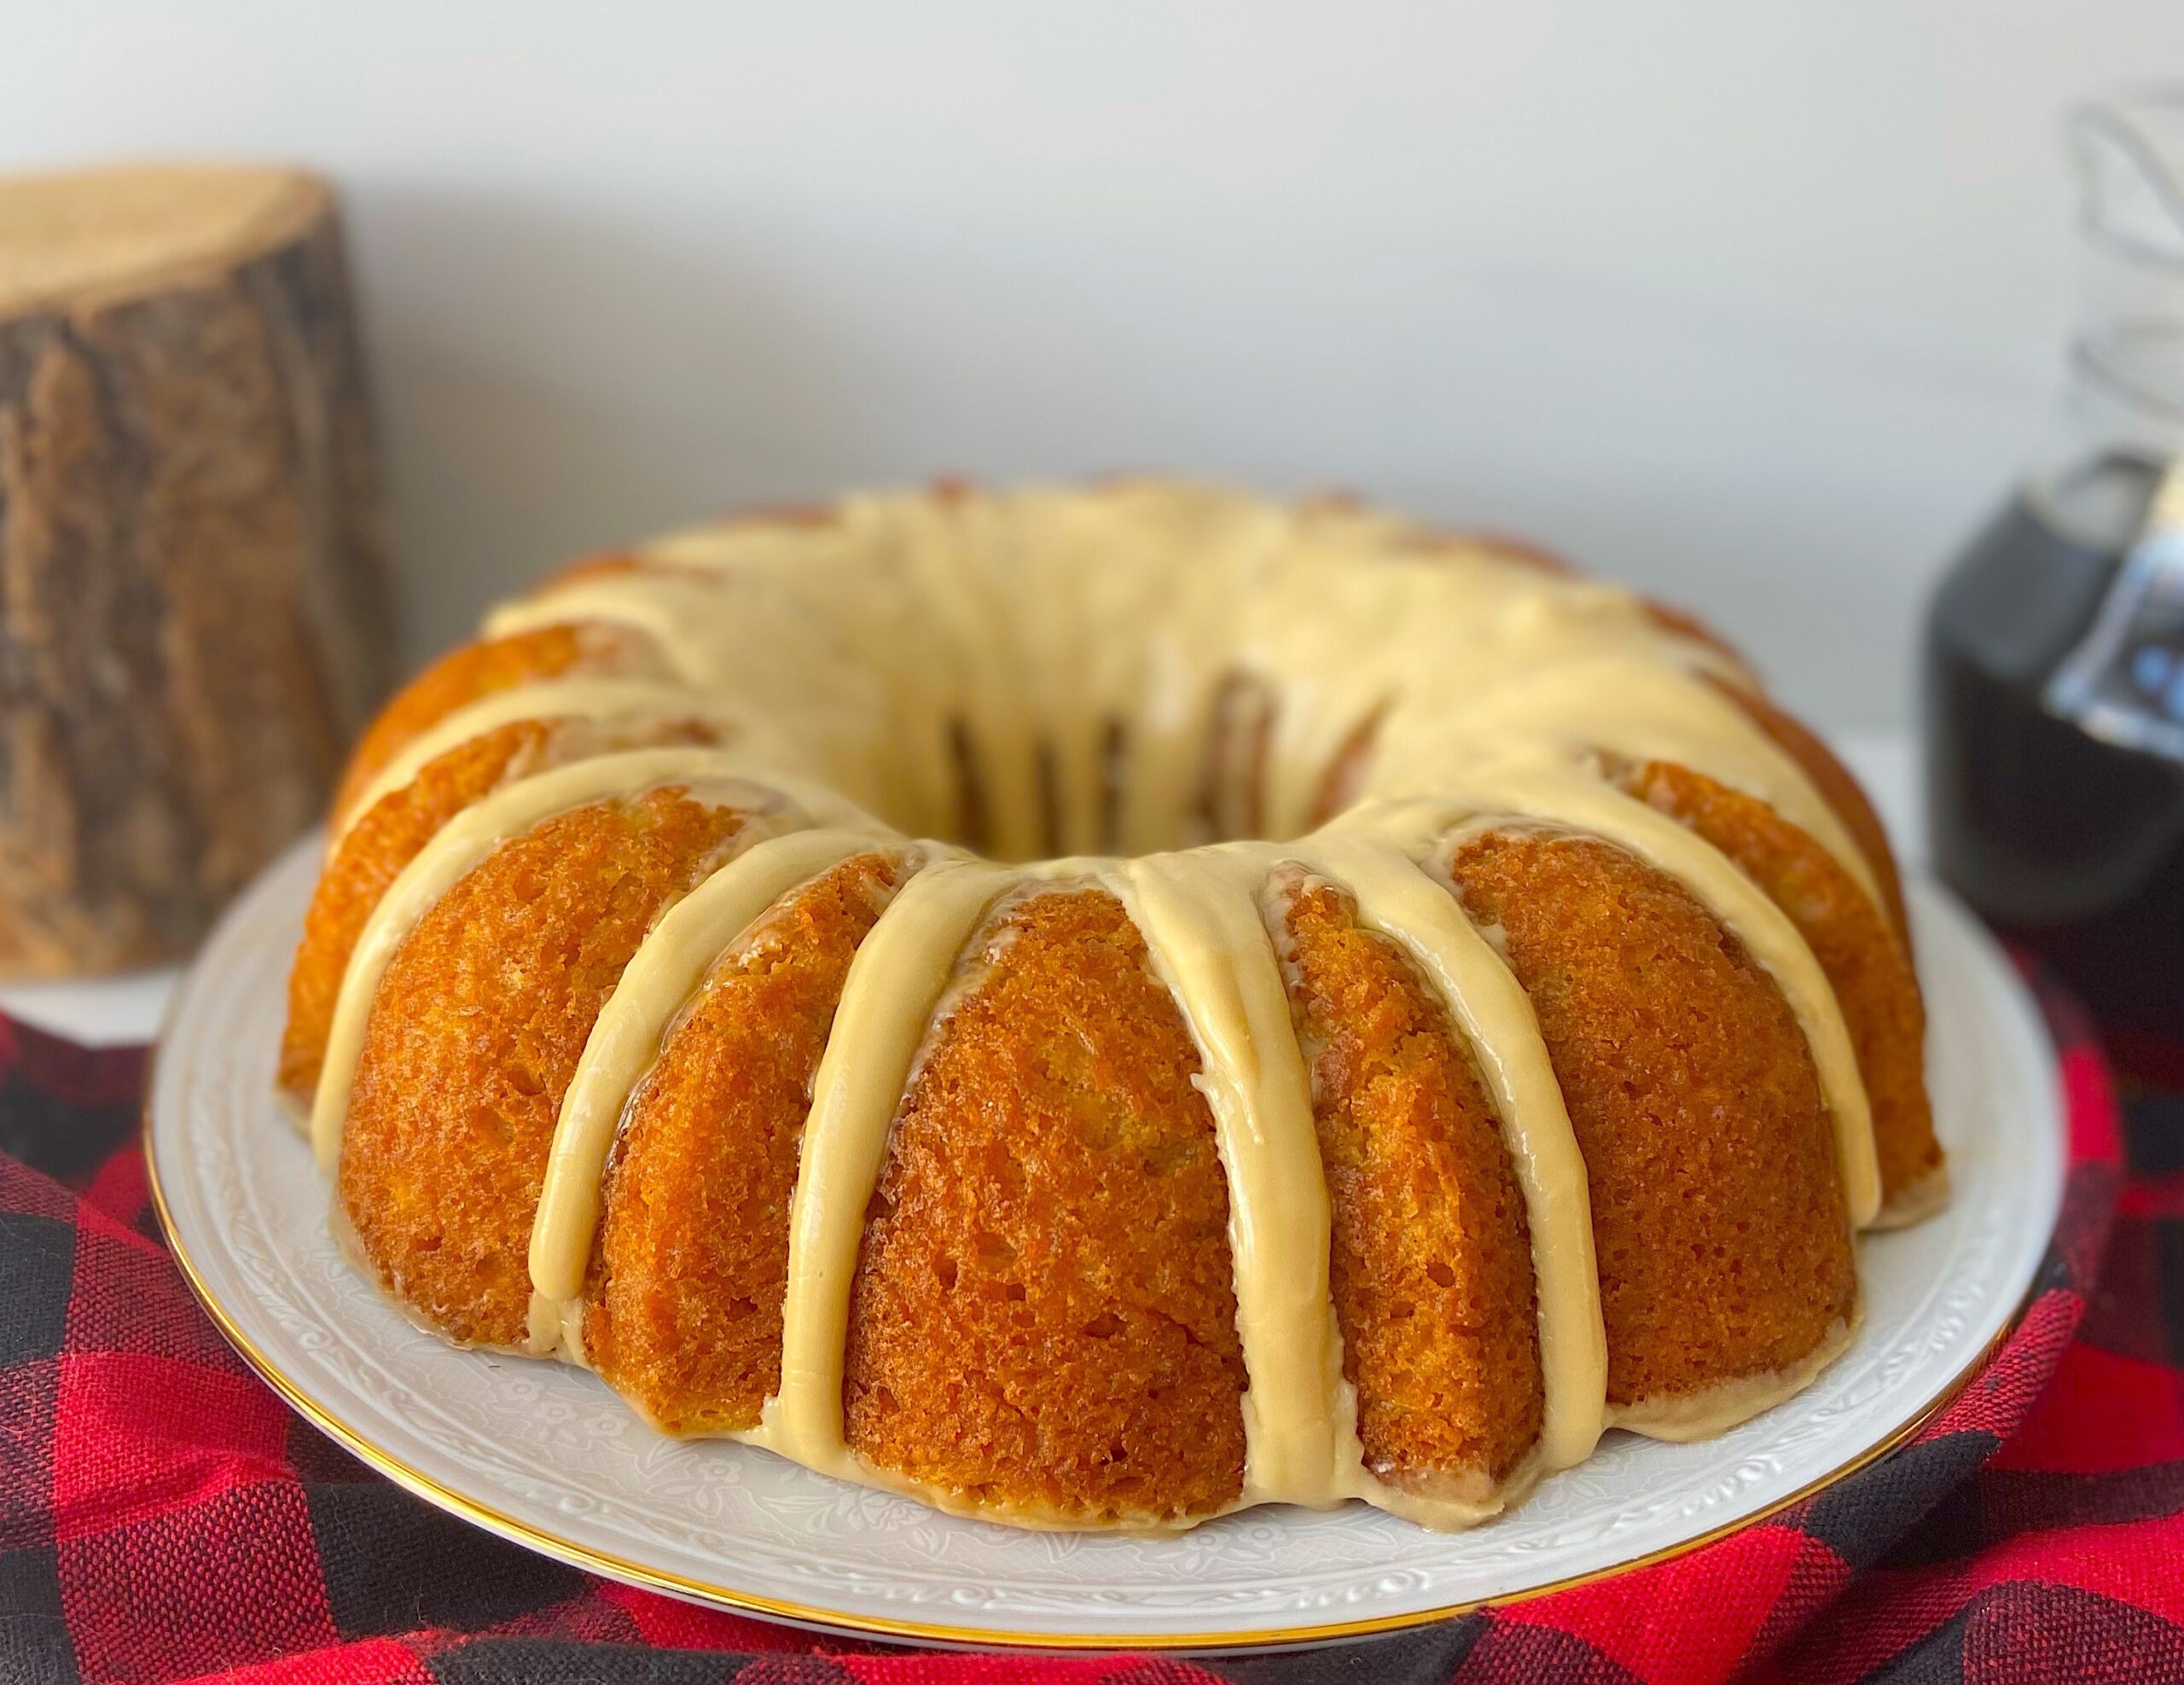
(195, 615)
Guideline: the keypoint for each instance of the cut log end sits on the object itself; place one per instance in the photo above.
(194, 612)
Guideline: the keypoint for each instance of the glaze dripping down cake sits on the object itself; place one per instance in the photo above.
(1100, 1008)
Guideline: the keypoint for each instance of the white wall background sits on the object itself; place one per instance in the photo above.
(1756, 305)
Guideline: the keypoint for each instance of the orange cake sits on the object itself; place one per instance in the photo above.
(1099, 1007)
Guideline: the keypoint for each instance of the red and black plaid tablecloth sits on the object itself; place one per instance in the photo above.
(164, 1517)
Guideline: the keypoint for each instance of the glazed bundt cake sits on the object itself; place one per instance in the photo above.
(1099, 1007)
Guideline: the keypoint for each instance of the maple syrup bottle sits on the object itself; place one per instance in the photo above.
(2054, 657)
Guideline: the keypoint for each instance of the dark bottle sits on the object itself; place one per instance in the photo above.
(2055, 658)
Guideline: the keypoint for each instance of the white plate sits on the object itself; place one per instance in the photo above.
(548, 1456)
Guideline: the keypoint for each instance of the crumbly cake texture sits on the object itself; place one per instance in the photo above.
(474, 670)
(1720, 1231)
(1432, 1249)
(682, 1312)
(1864, 956)
(388, 835)
(1465, 1014)
(476, 1033)
(1043, 1313)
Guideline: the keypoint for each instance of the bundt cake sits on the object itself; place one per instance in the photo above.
(1099, 1008)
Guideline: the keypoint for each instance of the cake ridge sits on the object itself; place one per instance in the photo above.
(666, 970)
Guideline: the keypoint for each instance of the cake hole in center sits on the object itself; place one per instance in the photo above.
(1045, 812)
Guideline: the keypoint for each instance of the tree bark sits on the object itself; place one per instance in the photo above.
(194, 610)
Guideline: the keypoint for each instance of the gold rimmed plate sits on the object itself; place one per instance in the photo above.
(548, 1456)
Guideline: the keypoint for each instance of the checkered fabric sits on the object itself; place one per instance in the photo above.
(164, 1517)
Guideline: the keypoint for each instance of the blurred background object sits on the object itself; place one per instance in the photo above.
(2055, 663)
(1754, 306)
(193, 609)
